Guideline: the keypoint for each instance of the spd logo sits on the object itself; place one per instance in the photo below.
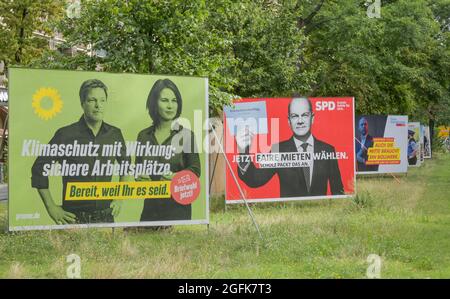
(325, 105)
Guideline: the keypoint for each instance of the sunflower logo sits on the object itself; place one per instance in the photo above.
(40, 107)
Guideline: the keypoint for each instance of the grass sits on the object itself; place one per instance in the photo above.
(406, 224)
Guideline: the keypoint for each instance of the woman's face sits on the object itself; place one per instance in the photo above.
(167, 104)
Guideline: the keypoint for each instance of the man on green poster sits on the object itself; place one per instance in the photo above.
(89, 132)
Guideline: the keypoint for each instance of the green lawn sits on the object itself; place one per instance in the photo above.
(407, 224)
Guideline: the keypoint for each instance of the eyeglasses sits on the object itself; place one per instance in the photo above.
(304, 116)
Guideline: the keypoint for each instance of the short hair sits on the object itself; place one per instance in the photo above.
(297, 98)
(153, 97)
(91, 84)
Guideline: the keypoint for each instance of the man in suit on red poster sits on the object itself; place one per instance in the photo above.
(311, 180)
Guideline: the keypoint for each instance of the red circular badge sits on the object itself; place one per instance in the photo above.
(185, 187)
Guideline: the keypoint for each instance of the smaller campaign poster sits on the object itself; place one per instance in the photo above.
(289, 149)
(422, 143)
(414, 149)
(427, 142)
(381, 144)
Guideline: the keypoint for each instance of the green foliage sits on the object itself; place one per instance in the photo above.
(19, 20)
(265, 45)
(395, 64)
(363, 199)
(246, 48)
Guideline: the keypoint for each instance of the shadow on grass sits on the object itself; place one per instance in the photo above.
(218, 204)
(380, 177)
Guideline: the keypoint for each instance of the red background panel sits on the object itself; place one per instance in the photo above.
(335, 127)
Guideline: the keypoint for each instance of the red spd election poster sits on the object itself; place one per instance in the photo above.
(289, 149)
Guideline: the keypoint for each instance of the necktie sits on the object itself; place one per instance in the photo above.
(306, 168)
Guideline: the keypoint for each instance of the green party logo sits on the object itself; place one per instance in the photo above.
(47, 103)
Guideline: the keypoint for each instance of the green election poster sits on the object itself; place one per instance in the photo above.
(96, 149)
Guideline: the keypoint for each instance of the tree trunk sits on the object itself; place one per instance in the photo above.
(19, 52)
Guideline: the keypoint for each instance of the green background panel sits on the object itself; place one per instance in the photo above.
(126, 109)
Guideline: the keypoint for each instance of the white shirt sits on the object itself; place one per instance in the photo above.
(309, 149)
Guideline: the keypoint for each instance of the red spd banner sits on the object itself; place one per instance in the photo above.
(289, 149)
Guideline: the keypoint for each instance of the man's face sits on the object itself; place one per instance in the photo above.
(300, 117)
(94, 105)
(363, 126)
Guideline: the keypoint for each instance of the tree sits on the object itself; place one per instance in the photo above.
(163, 37)
(20, 23)
(246, 48)
(395, 64)
(265, 46)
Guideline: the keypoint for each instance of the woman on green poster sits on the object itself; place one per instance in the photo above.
(164, 105)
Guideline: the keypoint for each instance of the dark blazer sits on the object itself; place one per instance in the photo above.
(163, 209)
(292, 180)
(361, 167)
